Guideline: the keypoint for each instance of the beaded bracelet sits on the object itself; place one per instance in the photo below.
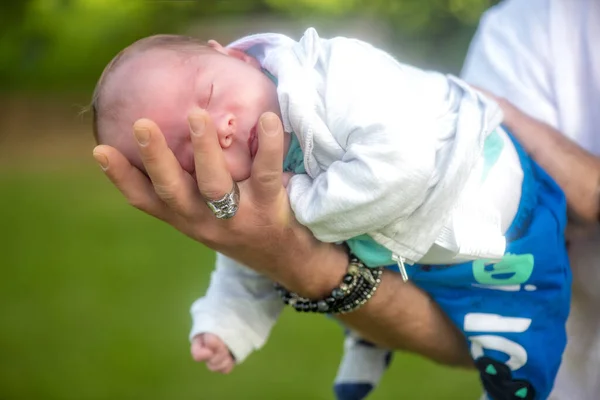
(357, 287)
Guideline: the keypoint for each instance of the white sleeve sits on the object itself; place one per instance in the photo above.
(510, 56)
(386, 166)
(240, 307)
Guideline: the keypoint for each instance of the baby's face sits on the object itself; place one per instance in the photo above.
(164, 87)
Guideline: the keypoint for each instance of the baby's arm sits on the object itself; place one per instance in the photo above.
(240, 308)
(377, 112)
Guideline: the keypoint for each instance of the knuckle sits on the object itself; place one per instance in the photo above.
(149, 157)
(211, 191)
(166, 191)
(213, 194)
(267, 177)
(173, 194)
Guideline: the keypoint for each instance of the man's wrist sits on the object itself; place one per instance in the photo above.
(313, 269)
(295, 259)
(326, 271)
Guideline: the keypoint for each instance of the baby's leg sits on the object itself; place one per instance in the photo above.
(513, 313)
(515, 339)
(361, 368)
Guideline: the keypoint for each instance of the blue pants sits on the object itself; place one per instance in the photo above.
(513, 313)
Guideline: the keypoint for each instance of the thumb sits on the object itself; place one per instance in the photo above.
(200, 352)
(267, 168)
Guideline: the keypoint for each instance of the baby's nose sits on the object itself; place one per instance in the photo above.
(227, 125)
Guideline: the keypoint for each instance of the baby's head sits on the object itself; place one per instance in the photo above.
(164, 78)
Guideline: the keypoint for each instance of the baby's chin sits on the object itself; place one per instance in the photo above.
(240, 174)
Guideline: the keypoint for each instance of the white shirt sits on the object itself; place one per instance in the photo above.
(389, 150)
(544, 57)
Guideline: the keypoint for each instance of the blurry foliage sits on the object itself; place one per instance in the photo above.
(417, 16)
(64, 44)
(430, 33)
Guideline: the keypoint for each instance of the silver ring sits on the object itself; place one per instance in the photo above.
(226, 206)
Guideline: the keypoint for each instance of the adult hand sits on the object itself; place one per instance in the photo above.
(258, 235)
(264, 235)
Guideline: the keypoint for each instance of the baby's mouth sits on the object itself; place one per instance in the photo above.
(253, 142)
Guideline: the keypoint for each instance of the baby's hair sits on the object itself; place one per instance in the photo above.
(174, 42)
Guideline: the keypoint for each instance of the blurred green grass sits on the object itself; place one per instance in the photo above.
(94, 299)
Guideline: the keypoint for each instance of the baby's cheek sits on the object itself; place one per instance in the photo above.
(238, 166)
(132, 155)
(187, 164)
(185, 156)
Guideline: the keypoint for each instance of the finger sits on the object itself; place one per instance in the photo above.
(220, 349)
(212, 176)
(214, 343)
(227, 369)
(267, 169)
(172, 185)
(219, 361)
(219, 356)
(131, 182)
(225, 366)
(200, 352)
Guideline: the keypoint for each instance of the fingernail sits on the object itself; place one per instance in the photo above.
(270, 124)
(142, 135)
(197, 123)
(102, 160)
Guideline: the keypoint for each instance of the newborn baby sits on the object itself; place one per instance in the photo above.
(407, 167)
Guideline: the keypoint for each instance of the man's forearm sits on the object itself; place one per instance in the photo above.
(575, 170)
(399, 316)
(403, 317)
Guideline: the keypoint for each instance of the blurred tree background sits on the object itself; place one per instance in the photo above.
(94, 295)
(64, 44)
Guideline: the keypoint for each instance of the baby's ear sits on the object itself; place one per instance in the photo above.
(240, 55)
(217, 46)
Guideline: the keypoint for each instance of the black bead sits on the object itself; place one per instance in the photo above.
(298, 306)
(322, 306)
(313, 306)
(337, 293)
(330, 300)
(348, 279)
(305, 307)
